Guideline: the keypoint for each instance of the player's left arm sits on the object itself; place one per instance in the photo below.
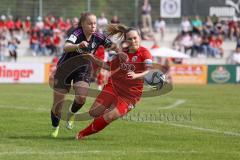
(147, 62)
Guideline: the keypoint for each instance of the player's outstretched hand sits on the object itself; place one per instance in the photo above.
(131, 75)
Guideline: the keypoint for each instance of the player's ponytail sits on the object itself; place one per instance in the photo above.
(117, 29)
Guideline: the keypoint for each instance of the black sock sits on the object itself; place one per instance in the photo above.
(55, 120)
(75, 107)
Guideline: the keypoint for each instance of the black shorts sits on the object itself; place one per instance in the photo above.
(64, 76)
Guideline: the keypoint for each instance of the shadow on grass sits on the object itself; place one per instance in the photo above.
(59, 138)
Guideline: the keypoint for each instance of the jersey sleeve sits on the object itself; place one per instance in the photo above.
(74, 37)
(107, 43)
(147, 59)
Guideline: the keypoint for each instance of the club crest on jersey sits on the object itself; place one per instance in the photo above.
(134, 58)
(93, 45)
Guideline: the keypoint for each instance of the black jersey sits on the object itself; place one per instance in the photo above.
(78, 69)
(78, 36)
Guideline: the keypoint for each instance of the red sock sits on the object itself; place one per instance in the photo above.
(97, 125)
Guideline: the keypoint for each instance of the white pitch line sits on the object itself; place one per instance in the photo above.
(94, 152)
(175, 104)
(197, 128)
(24, 108)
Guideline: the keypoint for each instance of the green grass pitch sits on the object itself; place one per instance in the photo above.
(189, 123)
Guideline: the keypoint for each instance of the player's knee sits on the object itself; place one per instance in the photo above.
(80, 99)
(93, 113)
(111, 117)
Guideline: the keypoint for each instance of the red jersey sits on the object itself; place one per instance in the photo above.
(18, 24)
(129, 89)
(100, 53)
(10, 24)
(2, 24)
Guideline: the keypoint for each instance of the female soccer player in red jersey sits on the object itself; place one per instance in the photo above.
(125, 85)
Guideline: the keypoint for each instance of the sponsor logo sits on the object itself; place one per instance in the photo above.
(15, 74)
(220, 75)
(72, 38)
(127, 67)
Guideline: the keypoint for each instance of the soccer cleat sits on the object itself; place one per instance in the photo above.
(54, 134)
(79, 136)
(69, 124)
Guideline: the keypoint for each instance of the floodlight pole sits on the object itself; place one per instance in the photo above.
(40, 8)
(89, 5)
(136, 13)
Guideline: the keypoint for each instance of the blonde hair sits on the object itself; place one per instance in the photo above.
(83, 17)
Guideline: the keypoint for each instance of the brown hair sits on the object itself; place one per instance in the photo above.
(84, 16)
(120, 30)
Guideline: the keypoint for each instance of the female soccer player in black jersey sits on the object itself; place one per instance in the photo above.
(84, 39)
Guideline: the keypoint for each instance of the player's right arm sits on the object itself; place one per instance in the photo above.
(70, 47)
(97, 61)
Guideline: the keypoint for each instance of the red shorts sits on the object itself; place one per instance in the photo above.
(109, 98)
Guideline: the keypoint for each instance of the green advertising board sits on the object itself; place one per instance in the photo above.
(222, 74)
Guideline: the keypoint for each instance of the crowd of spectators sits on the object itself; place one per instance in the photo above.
(205, 38)
(46, 36)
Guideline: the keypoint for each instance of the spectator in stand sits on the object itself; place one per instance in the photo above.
(68, 24)
(232, 27)
(18, 24)
(34, 43)
(75, 22)
(2, 44)
(42, 45)
(40, 24)
(197, 25)
(187, 43)
(186, 25)
(146, 15)
(236, 56)
(237, 31)
(115, 20)
(208, 26)
(102, 22)
(197, 45)
(12, 47)
(206, 46)
(61, 25)
(47, 26)
(160, 26)
(10, 24)
(27, 26)
(56, 42)
(216, 46)
(49, 45)
(147, 34)
(220, 28)
(3, 22)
